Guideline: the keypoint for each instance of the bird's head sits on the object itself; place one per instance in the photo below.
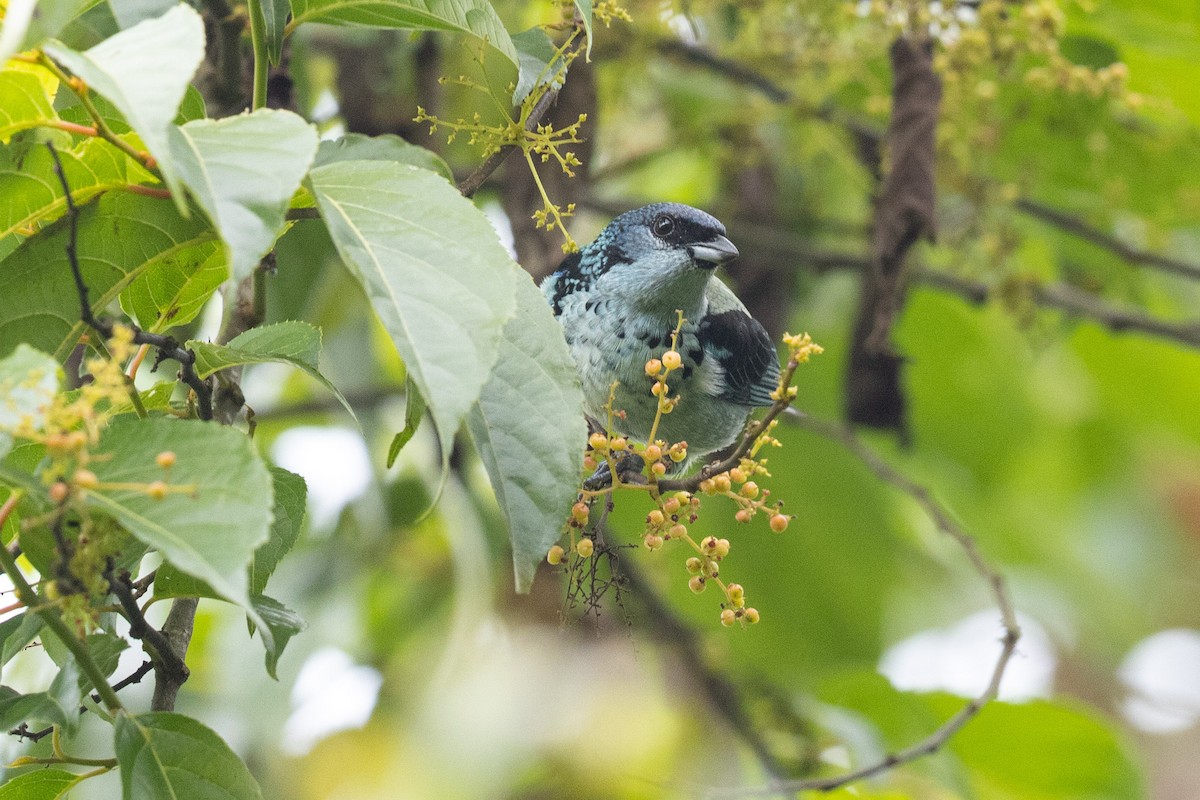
(660, 254)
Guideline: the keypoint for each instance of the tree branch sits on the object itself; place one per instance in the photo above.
(1012, 632)
(168, 665)
(1077, 227)
(166, 345)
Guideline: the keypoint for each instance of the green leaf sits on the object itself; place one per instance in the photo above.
(289, 510)
(284, 624)
(40, 784)
(130, 12)
(144, 71)
(291, 496)
(23, 103)
(217, 472)
(168, 755)
(28, 23)
(529, 428)
(274, 13)
(16, 708)
(17, 632)
(473, 17)
(291, 342)
(432, 268)
(1063, 751)
(31, 194)
(120, 236)
(29, 379)
(175, 292)
(387, 147)
(414, 409)
(584, 7)
(243, 171)
(534, 52)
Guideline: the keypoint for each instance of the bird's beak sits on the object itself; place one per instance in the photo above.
(713, 253)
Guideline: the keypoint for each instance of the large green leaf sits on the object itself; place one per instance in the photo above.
(40, 784)
(58, 705)
(29, 379)
(242, 171)
(288, 519)
(535, 51)
(474, 17)
(218, 509)
(174, 292)
(386, 147)
(274, 19)
(120, 235)
(167, 755)
(291, 342)
(528, 426)
(23, 103)
(433, 269)
(17, 632)
(144, 71)
(31, 194)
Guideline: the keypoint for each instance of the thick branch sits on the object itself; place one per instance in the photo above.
(942, 518)
(168, 665)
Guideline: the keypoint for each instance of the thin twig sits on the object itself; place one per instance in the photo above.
(22, 731)
(166, 345)
(1077, 227)
(942, 518)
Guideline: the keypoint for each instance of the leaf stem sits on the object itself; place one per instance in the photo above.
(258, 40)
(50, 615)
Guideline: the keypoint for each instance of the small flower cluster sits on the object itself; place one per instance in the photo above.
(676, 510)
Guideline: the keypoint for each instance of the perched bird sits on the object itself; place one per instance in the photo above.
(617, 300)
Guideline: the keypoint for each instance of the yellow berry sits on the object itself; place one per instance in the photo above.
(85, 479)
(156, 489)
(655, 518)
(751, 615)
(722, 482)
(619, 444)
(779, 523)
(707, 486)
(697, 584)
(728, 617)
(555, 555)
(580, 512)
(743, 515)
(750, 489)
(658, 389)
(584, 547)
(737, 595)
(694, 565)
(658, 468)
(709, 545)
(737, 475)
(165, 459)
(678, 451)
(653, 452)
(598, 441)
(589, 462)
(653, 367)
(677, 532)
(671, 506)
(722, 549)
(653, 541)
(671, 360)
(59, 492)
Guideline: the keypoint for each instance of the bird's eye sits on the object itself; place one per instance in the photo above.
(664, 226)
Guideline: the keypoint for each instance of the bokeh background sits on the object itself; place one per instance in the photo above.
(1050, 381)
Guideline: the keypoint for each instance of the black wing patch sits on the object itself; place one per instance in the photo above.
(568, 278)
(745, 352)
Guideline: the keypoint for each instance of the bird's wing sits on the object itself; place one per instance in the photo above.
(740, 346)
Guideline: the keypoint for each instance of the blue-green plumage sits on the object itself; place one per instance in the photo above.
(617, 300)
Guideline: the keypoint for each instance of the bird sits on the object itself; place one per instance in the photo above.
(618, 300)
